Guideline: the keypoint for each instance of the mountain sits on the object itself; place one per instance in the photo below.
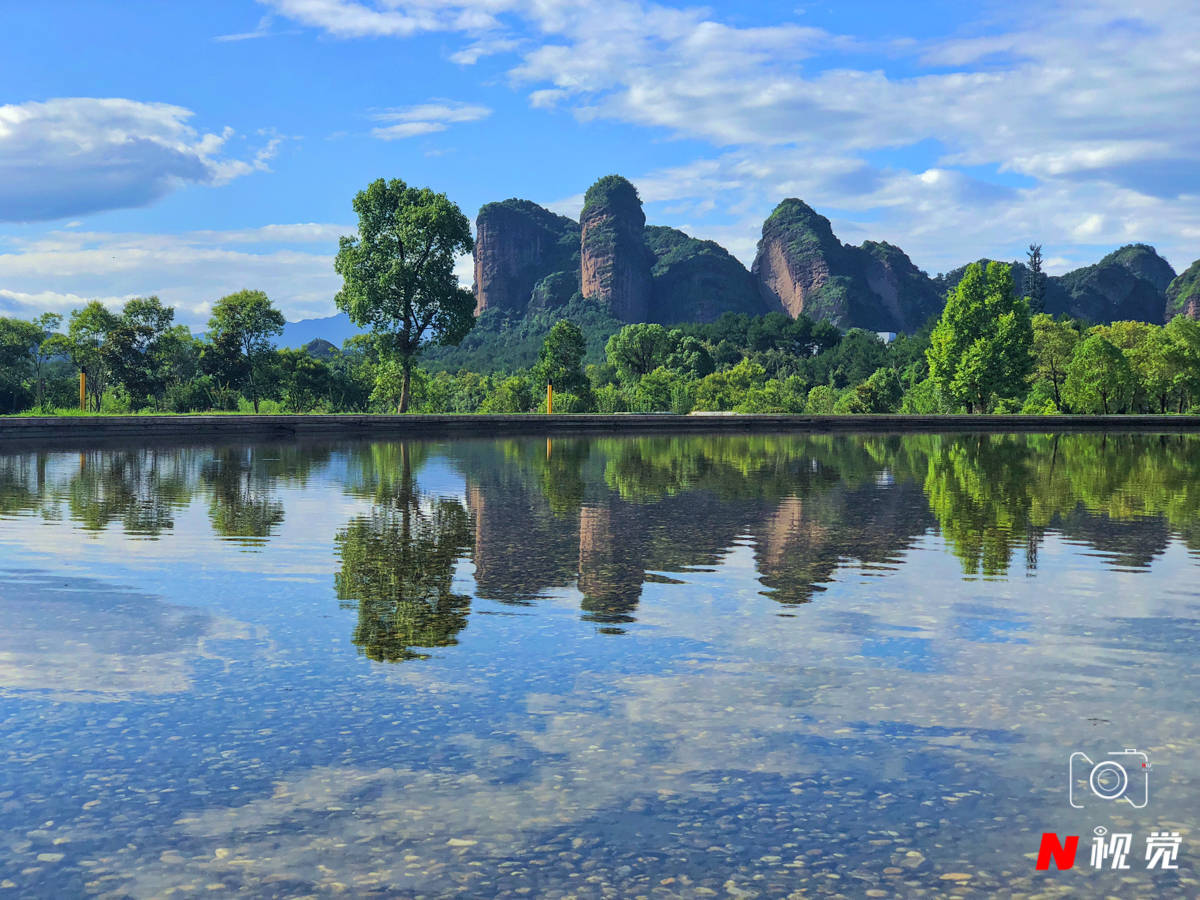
(1129, 283)
(696, 281)
(320, 349)
(533, 267)
(524, 254)
(334, 329)
(802, 267)
(1183, 293)
(615, 261)
(529, 261)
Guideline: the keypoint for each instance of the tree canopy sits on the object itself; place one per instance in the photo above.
(398, 272)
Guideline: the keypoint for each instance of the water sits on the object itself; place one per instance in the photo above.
(671, 667)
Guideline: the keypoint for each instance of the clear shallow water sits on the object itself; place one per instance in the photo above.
(690, 666)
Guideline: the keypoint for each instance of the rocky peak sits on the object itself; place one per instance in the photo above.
(1123, 286)
(1183, 293)
(802, 267)
(614, 260)
(517, 244)
(797, 256)
(1143, 262)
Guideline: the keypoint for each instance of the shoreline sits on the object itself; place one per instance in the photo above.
(72, 430)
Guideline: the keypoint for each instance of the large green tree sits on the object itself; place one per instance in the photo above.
(1053, 343)
(136, 349)
(1099, 377)
(246, 320)
(638, 349)
(398, 272)
(981, 348)
(88, 330)
(16, 337)
(560, 361)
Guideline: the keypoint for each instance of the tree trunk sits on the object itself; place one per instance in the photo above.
(405, 384)
(250, 378)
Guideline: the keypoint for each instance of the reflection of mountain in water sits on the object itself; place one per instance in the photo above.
(673, 505)
(605, 516)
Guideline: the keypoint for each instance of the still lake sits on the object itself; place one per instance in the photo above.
(726, 666)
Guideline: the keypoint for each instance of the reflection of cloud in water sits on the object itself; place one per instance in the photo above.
(81, 639)
(792, 724)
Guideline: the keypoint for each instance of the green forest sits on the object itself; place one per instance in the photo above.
(987, 351)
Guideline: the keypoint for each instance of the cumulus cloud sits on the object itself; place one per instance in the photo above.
(1063, 122)
(425, 118)
(72, 156)
(293, 263)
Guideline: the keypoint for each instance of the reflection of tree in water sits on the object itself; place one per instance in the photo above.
(981, 489)
(22, 483)
(398, 566)
(242, 504)
(1121, 494)
(141, 488)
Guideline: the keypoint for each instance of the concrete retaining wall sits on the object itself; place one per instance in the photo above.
(71, 430)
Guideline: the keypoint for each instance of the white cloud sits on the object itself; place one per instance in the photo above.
(426, 118)
(292, 263)
(474, 52)
(72, 156)
(1065, 123)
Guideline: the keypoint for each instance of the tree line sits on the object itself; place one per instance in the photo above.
(989, 351)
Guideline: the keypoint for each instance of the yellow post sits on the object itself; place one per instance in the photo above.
(549, 398)
(82, 392)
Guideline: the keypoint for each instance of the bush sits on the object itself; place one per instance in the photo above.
(611, 399)
(566, 402)
(512, 395)
(722, 391)
(923, 399)
(786, 395)
(1040, 401)
(821, 400)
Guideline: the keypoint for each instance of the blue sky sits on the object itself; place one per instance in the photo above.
(192, 149)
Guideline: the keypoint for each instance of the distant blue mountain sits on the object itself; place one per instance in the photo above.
(334, 329)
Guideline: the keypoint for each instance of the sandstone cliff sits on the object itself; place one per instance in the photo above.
(1183, 294)
(518, 245)
(802, 267)
(615, 261)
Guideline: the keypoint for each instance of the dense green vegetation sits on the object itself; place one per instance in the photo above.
(987, 353)
(398, 277)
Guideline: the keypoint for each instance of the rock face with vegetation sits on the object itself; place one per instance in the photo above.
(524, 252)
(1128, 284)
(696, 281)
(1183, 293)
(533, 267)
(802, 267)
(615, 261)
